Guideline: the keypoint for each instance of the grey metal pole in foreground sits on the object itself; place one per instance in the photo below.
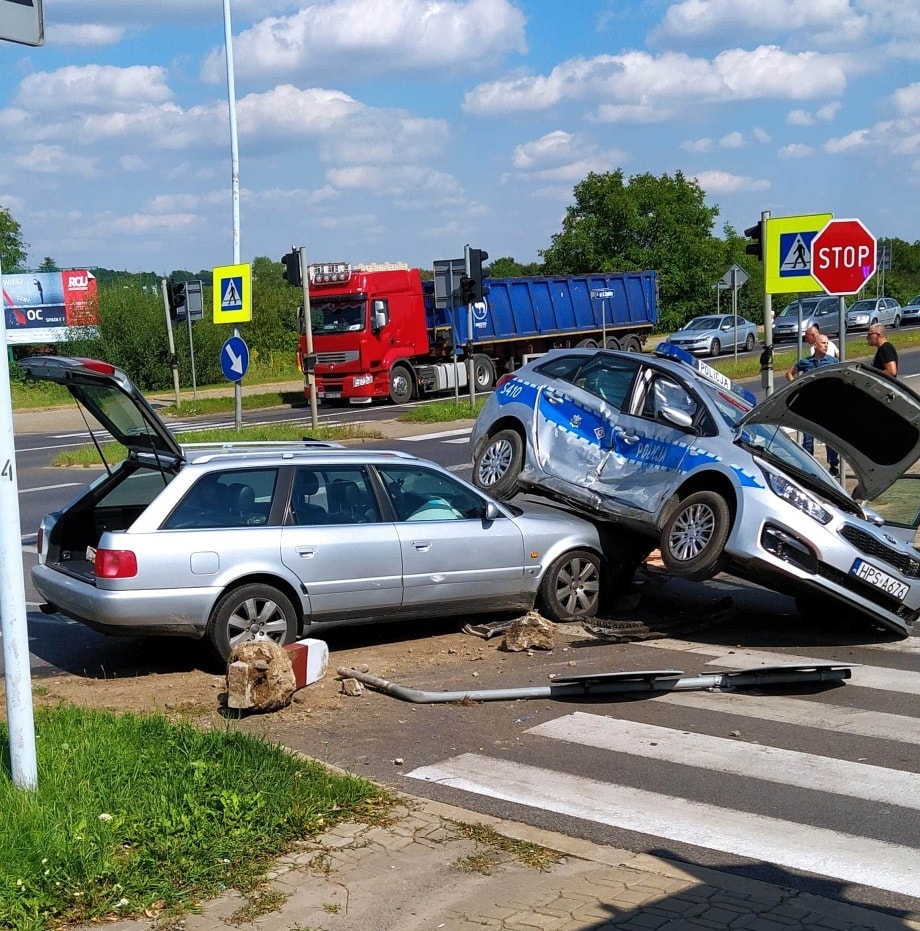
(17, 672)
(659, 680)
(308, 332)
(234, 183)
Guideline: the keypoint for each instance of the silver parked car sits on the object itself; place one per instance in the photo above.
(667, 448)
(716, 333)
(821, 311)
(870, 310)
(910, 312)
(247, 541)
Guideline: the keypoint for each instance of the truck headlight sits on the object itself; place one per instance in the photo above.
(792, 494)
(360, 380)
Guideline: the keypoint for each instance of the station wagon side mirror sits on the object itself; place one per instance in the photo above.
(491, 511)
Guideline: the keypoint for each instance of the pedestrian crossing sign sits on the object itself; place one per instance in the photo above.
(232, 288)
(787, 253)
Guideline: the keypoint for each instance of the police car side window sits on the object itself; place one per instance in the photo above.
(561, 367)
(609, 378)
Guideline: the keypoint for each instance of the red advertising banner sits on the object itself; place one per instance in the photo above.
(41, 307)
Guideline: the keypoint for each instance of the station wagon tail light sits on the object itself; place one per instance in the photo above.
(115, 564)
(102, 368)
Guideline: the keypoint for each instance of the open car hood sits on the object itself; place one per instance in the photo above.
(872, 420)
(109, 395)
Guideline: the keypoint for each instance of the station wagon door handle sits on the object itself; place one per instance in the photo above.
(552, 397)
(422, 545)
(307, 552)
(628, 438)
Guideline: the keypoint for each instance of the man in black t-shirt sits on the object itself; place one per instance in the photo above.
(886, 356)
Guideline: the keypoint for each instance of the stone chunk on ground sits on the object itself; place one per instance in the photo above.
(260, 676)
(530, 632)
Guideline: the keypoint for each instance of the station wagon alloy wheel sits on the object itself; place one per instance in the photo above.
(251, 612)
(571, 588)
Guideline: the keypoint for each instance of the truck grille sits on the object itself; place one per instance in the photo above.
(337, 358)
(868, 544)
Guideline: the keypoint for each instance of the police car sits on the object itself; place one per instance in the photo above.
(683, 459)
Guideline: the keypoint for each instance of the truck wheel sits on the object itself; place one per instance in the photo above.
(251, 612)
(498, 465)
(693, 537)
(483, 372)
(400, 385)
(632, 344)
(571, 588)
(749, 343)
(612, 343)
(586, 344)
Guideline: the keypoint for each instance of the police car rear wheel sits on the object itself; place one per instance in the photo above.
(499, 463)
(694, 536)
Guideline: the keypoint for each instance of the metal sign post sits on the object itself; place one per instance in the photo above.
(16, 665)
(310, 360)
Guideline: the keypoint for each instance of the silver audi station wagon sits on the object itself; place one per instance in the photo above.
(247, 541)
(667, 448)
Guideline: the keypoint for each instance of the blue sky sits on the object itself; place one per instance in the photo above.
(400, 130)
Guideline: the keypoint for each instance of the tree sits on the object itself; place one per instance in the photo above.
(647, 222)
(12, 248)
(508, 267)
(48, 265)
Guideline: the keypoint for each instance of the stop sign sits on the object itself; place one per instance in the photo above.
(843, 256)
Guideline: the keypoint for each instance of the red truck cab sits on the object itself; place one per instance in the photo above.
(368, 323)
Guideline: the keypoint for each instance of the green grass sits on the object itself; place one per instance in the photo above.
(135, 815)
(87, 457)
(441, 411)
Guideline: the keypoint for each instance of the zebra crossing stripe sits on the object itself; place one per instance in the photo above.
(737, 758)
(846, 857)
(836, 718)
(870, 677)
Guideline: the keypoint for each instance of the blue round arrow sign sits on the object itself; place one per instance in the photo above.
(234, 358)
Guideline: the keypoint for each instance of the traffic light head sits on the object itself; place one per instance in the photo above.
(755, 248)
(477, 257)
(178, 296)
(467, 290)
(291, 263)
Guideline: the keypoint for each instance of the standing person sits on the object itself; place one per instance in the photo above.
(886, 356)
(809, 337)
(820, 355)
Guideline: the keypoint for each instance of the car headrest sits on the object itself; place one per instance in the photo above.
(306, 483)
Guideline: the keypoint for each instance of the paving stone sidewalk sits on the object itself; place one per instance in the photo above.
(420, 874)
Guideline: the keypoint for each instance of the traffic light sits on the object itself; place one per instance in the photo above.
(755, 248)
(178, 296)
(291, 263)
(480, 290)
(467, 290)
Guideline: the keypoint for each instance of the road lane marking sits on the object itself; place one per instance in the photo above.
(737, 758)
(846, 857)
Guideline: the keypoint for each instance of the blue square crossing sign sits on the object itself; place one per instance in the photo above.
(232, 288)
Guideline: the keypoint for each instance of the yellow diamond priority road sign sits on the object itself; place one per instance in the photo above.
(232, 293)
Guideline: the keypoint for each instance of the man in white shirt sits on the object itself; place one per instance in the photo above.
(808, 337)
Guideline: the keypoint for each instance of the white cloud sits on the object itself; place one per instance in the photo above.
(55, 160)
(907, 99)
(854, 140)
(796, 150)
(560, 158)
(697, 145)
(761, 135)
(648, 85)
(723, 182)
(800, 118)
(698, 21)
(97, 87)
(343, 38)
(553, 147)
(87, 35)
(732, 140)
(828, 111)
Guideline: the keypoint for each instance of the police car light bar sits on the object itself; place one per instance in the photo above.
(669, 351)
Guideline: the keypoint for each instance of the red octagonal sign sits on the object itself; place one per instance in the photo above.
(843, 256)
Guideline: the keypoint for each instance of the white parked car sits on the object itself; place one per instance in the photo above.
(872, 310)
